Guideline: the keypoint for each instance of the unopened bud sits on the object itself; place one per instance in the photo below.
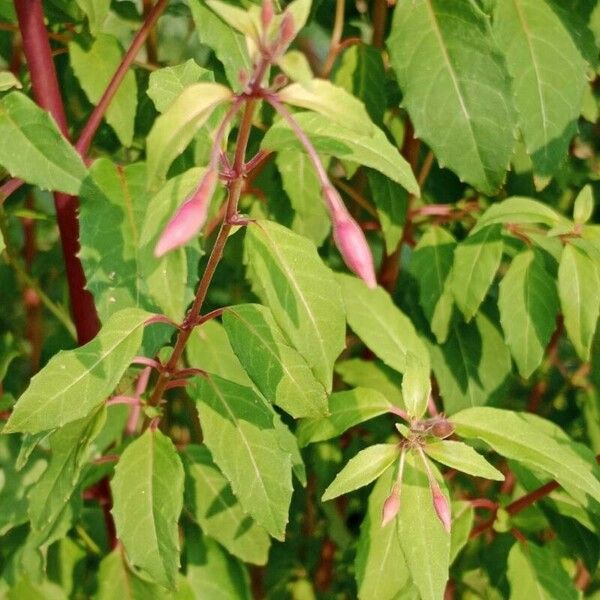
(287, 32)
(441, 505)
(442, 428)
(280, 80)
(391, 506)
(350, 239)
(266, 13)
(190, 216)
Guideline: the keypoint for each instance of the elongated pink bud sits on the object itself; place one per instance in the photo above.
(350, 239)
(190, 216)
(266, 13)
(287, 32)
(440, 503)
(391, 506)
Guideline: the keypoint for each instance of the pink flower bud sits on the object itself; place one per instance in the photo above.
(288, 30)
(266, 13)
(350, 239)
(440, 503)
(391, 506)
(189, 218)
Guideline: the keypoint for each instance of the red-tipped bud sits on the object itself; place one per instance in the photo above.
(288, 30)
(441, 505)
(266, 13)
(350, 239)
(190, 216)
(280, 80)
(391, 506)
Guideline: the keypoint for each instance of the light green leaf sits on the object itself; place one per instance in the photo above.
(584, 205)
(235, 17)
(372, 374)
(416, 385)
(548, 76)
(279, 372)
(117, 580)
(8, 81)
(534, 572)
(296, 66)
(214, 507)
(381, 571)
(366, 466)
(33, 149)
(96, 12)
(289, 277)
(528, 303)
(75, 382)
(476, 260)
(347, 409)
(240, 431)
(2, 243)
(391, 202)
(373, 150)
(462, 457)
(300, 10)
(461, 107)
(531, 441)
(519, 210)
(166, 85)
(381, 325)
(472, 366)
(424, 541)
(229, 45)
(147, 491)
(94, 67)
(330, 101)
(463, 515)
(579, 292)
(175, 128)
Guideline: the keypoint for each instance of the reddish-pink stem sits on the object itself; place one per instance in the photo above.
(9, 187)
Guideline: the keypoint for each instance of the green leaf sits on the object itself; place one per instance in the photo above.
(473, 365)
(476, 260)
(235, 17)
(214, 507)
(166, 85)
(391, 202)
(335, 140)
(147, 491)
(117, 580)
(584, 205)
(462, 524)
(94, 67)
(240, 431)
(579, 292)
(8, 81)
(372, 374)
(330, 101)
(534, 572)
(96, 12)
(75, 382)
(347, 409)
(457, 455)
(548, 76)
(289, 277)
(229, 45)
(528, 303)
(461, 107)
(175, 128)
(70, 448)
(33, 149)
(424, 541)
(531, 441)
(365, 467)
(381, 571)
(296, 66)
(279, 372)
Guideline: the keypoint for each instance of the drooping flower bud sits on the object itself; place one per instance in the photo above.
(350, 239)
(440, 503)
(391, 506)
(266, 13)
(190, 216)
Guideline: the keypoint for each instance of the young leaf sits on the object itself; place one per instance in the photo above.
(214, 507)
(584, 205)
(461, 107)
(279, 372)
(476, 260)
(95, 67)
(240, 432)
(75, 382)
(416, 385)
(548, 76)
(462, 457)
(372, 150)
(347, 409)
(330, 101)
(296, 66)
(175, 128)
(535, 572)
(32, 147)
(519, 210)
(8, 81)
(290, 278)
(528, 303)
(529, 440)
(579, 292)
(96, 12)
(235, 17)
(147, 491)
(366, 466)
